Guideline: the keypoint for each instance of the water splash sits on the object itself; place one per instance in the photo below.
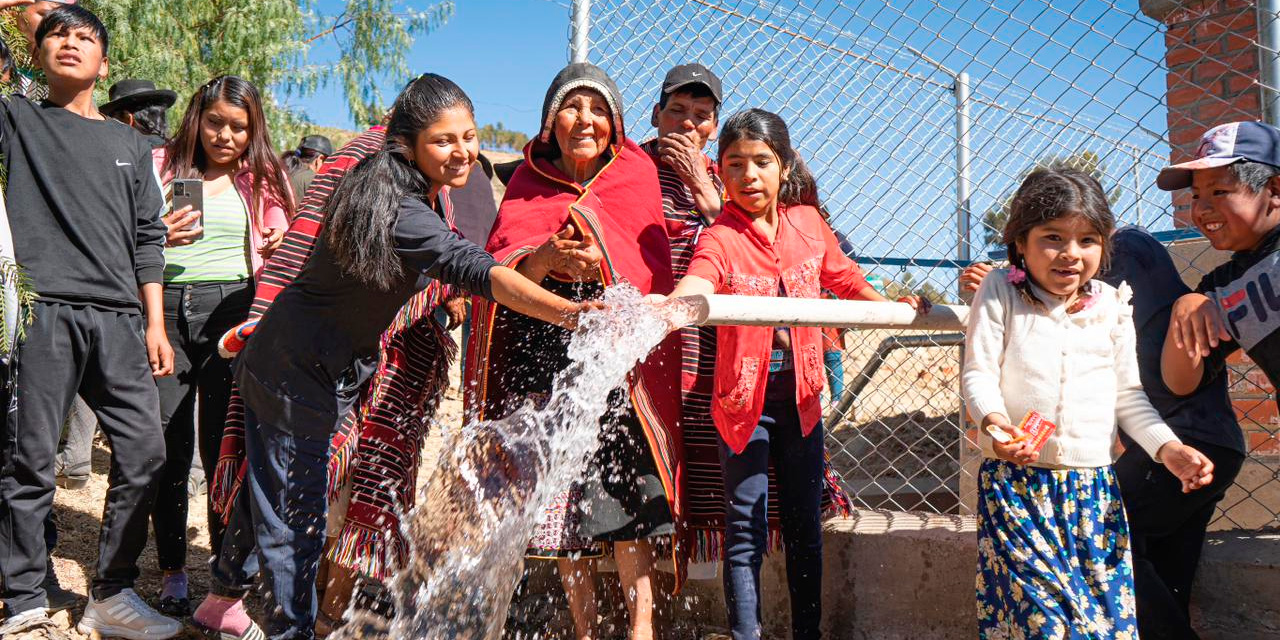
(473, 521)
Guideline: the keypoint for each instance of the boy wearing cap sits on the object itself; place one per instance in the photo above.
(303, 162)
(1235, 187)
(687, 118)
(84, 208)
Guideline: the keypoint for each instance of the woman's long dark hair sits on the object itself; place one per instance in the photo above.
(185, 156)
(757, 124)
(1049, 194)
(361, 214)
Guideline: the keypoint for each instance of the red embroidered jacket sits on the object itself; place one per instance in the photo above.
(737, 259)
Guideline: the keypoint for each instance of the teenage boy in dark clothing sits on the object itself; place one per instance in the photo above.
(1235, 189)
(84, 206)
(1168, 526)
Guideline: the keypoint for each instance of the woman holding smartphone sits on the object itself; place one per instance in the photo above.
(230, 205)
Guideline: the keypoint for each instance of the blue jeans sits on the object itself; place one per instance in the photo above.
(281, 508)
(798, 464)
(835, 374)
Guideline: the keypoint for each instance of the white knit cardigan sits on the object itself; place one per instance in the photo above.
(1079, 370)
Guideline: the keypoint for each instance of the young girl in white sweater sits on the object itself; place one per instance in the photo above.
(1044, 336)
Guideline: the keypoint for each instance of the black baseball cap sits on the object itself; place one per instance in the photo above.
(687, 74)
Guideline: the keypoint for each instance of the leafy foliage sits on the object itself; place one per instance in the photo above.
(1090, 162)
(181, 44)
(496, 136)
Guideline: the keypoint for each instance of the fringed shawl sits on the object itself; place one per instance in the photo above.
(378, 445)
(622, 209)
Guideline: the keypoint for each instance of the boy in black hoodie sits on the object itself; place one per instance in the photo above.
(84, 207)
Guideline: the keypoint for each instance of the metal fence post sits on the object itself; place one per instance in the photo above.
(961, 91)
(580, 27)
(1269, 54)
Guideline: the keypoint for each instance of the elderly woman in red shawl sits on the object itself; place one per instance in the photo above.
(584, 212)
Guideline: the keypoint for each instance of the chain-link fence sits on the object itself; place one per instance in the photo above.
(919, 119)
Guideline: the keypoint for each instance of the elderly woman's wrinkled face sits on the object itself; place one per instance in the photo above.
(583, 126)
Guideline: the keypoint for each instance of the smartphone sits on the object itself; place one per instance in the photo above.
(189, 192)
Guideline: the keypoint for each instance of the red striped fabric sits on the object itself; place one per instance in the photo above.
(378, 445)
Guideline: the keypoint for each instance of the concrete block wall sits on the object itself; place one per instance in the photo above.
(899, 576)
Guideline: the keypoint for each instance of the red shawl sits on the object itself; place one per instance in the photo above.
(622, 209)
(378, 445)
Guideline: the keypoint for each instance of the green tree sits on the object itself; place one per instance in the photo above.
(498, 137)
(181, 44)
(906, 286)
(1090, 162)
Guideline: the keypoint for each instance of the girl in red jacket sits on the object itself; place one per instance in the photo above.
(770, 241)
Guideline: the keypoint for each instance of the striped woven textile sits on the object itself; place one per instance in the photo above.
(704, 487)
(377, 446)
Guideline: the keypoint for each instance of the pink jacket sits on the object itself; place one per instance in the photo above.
(269, 212)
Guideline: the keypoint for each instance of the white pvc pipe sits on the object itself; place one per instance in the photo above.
(760, 311)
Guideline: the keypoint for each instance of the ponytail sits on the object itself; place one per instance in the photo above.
(361, 217)
(799, 187)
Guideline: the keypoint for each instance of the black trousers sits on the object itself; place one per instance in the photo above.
(101, 355)
(1168, 530)
(195, 316)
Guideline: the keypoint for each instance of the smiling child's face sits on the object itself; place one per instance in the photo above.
(1231, 216)
(1062, 254)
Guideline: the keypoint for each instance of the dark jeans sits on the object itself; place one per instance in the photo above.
(281, 507)
(798, 465)
(1168, 529)
(101, 355)
(195, 316)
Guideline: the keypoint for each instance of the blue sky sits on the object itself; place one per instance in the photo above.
(502, 52)
(874, 120)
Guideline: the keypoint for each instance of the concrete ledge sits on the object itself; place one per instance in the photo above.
(1237, 592)
(893, 576)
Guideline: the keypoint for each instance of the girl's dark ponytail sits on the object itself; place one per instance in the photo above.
(362, 214)
(800, 186)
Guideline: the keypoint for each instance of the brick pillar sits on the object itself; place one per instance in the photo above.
(1211, 52)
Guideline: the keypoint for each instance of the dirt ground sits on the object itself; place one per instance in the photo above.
(79, 514)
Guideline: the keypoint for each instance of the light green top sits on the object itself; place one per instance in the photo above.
(222, 253)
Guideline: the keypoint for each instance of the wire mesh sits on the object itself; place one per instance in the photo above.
(869, 91)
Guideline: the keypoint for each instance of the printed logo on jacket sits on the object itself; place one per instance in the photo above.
(1251, 303)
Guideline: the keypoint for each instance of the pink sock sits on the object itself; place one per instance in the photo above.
(220, 614)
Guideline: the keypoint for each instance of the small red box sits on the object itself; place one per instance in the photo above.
(1037, 428)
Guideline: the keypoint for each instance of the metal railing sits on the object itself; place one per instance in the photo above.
(919, 119)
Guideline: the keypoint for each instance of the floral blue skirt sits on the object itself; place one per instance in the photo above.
(1053, 554)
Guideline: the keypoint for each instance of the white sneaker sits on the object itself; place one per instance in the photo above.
(31, 625)
(125, 615)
